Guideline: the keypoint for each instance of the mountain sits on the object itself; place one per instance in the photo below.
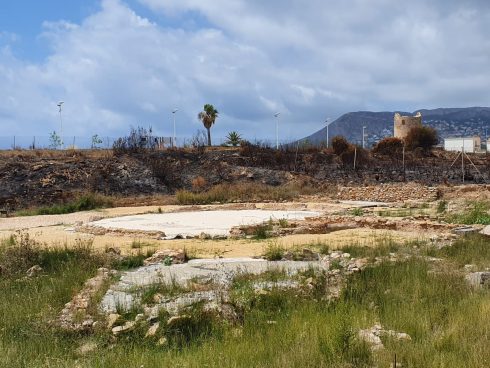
(449, 122)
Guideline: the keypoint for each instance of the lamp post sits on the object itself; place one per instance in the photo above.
(326, 122)
(363, 137)
(60, 104)
(276, 115)
(173, 113)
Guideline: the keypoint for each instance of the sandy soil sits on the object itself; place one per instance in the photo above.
(58, 230)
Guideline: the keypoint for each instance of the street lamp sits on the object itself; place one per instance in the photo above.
(173, 113)
(276, 115)
(60, 104)
(363, 137)
(326, 122)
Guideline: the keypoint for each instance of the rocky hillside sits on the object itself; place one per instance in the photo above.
(447, 121)
(31, 178)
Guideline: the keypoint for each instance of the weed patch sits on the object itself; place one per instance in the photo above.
(476, 213)
(86, 202)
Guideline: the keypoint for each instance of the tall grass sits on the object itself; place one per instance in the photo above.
(448, 324)
(242, 192)
(476, 213)
(86, 202)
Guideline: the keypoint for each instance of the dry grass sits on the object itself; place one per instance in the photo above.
(245, 192)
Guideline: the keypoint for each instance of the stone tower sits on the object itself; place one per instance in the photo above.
(403, 124)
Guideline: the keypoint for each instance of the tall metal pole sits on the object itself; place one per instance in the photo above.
(363, 137)
(326, 122)
(276, 115)
(462, 160)
(60, 104)
(173, 140)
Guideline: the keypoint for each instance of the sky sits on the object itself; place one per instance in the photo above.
(123, 63)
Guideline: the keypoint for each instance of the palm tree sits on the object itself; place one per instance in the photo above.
(208, 117)
(234, 138)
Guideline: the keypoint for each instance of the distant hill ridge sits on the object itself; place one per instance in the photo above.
(455, 122)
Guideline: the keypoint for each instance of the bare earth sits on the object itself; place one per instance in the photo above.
(60, 230)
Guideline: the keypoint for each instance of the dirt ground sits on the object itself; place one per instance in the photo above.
(60, 230)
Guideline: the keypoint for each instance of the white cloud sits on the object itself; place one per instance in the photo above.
(250, 58)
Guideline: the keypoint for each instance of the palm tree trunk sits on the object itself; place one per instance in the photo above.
(209, 136)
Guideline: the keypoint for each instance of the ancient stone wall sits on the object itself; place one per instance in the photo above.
(392, 192)
(403, 124)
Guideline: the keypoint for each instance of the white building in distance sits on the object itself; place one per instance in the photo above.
(468, 144)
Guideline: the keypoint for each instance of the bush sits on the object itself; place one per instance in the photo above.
(198, 184)
(389, 146)
(340, 145)
(422, 137)
(138, 140)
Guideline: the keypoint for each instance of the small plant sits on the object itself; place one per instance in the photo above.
(262, 231)
(96, 140)
(324, 248)
(274, 252)
(357, 212)
(283, 223)
(167, 261)
(159, 210)
(441, 206)
(335, 264)
(54, 140)
(199, 184)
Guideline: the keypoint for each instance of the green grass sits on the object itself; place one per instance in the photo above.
(447, 321)
(476, 213)
(262, 231)
(357, 212)
(472, 249)
(274, 252)
(85, 202)
(441, 206)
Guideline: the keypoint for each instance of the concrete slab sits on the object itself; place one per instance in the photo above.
(197, 222)
(125, 293)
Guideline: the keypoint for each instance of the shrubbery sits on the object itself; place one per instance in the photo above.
(340, 145)
(389, 146)
(138, 140)
(422, 137)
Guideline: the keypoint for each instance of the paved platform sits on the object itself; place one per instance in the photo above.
(194, 223)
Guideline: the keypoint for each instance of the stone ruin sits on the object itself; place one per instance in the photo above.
(403, 124)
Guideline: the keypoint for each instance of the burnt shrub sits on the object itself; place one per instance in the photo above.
(340, 145)
(354, 152)
(138, 140)
(422, 137)
(389, 146)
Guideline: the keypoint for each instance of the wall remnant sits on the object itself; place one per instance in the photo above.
(403, 124)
